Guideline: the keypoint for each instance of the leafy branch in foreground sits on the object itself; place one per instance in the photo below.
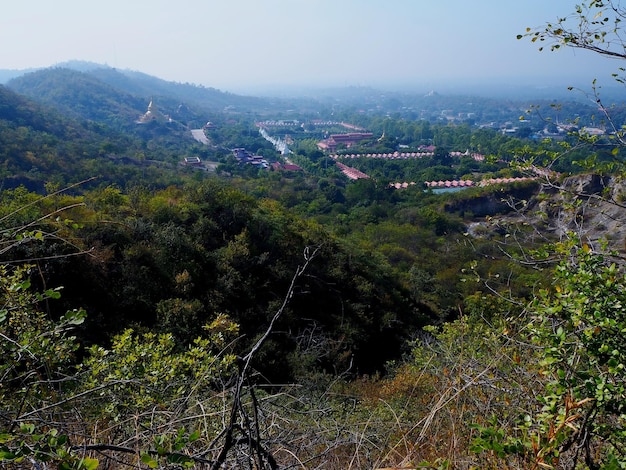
(26, 218)
(240, 420)
(594, 26)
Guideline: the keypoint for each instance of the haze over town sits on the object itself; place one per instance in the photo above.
(247, 46)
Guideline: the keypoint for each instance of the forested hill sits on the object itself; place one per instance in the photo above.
(38, 143)
(81, 95)
(20, 111)
(41, 144)
(68, 86)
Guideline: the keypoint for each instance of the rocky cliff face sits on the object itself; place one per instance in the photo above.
(492, 204)
(592, 207)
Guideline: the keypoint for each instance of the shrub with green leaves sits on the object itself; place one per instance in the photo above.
(143, 371)
(577, 330)
(581, 325)
(36, 357)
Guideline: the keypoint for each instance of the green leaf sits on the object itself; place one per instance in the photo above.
(75, 317)
(27, 428)
(149, 461)
(88, 464)
(52, 294)
(6, 455)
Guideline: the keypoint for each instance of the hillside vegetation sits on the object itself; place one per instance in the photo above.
(157, 314)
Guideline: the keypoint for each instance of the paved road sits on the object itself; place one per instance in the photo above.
(198, 134)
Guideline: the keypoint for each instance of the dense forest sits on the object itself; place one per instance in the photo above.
(169, 302)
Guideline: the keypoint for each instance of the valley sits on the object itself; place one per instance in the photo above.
(362, 279)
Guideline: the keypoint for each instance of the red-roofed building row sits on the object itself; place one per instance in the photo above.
(469, 183)
(449, 184)
(404, 155)
(351, 173)
(394, 155)
(402, 185)
(490, 181)
(279, 123)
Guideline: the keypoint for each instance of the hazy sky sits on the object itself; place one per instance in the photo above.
(242, 44)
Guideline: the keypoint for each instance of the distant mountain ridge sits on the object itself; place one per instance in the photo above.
(118, 98)
(7, 74)
(99, 92)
